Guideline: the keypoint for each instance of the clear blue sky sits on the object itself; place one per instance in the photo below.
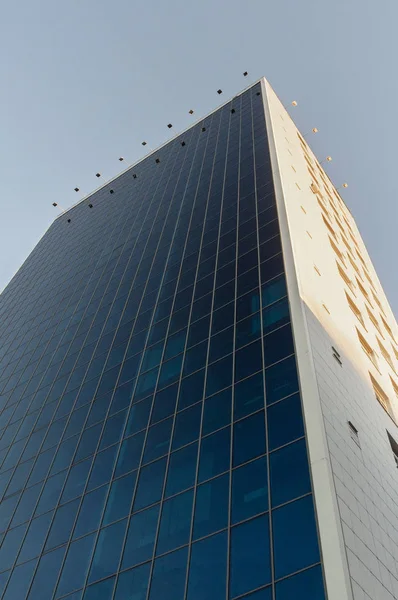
(85, 81)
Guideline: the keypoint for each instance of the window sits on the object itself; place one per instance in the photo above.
(381, 397)
(323, 207)
(354, 266)
(346, 243)
(336, 355)
(317, 270)
(303, 209)
(386, 355)
(355, 309)
(370, 353)
(395, 351)
(330, 228)
(375, 298)
(387, 327)
(368, 278)
(362, 289)
(395, 386)
(345, 278)
(337, 251)
(394, 448)
(354, 433)
(374, 321)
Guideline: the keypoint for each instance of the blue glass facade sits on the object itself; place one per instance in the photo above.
(152, 444)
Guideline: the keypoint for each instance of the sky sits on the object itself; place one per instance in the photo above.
(83, 82)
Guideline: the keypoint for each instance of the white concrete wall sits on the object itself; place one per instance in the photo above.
(356, 488)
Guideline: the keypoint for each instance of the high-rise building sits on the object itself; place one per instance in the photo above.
(198, 382)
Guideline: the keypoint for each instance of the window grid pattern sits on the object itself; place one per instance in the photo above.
(151, 434)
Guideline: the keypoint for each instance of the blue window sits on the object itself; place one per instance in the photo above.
(250, 556)
(248, 330)
(105, 562)
(76, 480)
(221, 344)
(152, 356)
(61, 527)
(170, 371)
(182, 469)
(219, 375)
(164, 403)
(278, 344)
(217, 411)
(304, 585)
(150, 484)
(191, 390)
(187, 426)
(102, 467)
(249, 438)
(248, 360)
(248, 396)
(76, 565)
(285, 422)
(249, 490)
(141, 537)
(133, 583)
(10, 546)
(208, 568)
(281, 380)
(90, 511)
(130, 454)
(289, 473)
(120, 498)
(158, 440)
(47, 575)
(20, 581)
(295, 537)
(211, 509)
(247, 305)
(175, 344)
(215, 453)
(100, 591)
(276, 315)
(50, 493)
(139, 415)
(195, 358)
(35, 538)
(175, 523)
(168, 578)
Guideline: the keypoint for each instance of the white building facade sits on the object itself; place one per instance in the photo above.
(346, 341)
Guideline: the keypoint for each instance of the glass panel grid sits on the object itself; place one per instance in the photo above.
(146, 367)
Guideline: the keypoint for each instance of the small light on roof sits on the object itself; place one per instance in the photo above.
(55, 204)
(314, 130)
(258, 94)
(245, 74)
(121, 158)
(219, 91)
(345, 185)
(157, 161)
(134, 175)
(232, 110)
(77, 189)
(68, 220)
(111, 191)
(143, 143)
(169, 125)
(182, 143)
(98, 174)
(203, 128)
(190, 112)
(294, 103)
(90, 206)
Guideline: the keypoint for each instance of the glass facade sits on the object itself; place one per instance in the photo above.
(152, 444)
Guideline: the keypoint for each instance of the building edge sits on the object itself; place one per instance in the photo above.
(335, 564)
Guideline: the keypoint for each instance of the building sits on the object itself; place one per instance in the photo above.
(198, 383)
